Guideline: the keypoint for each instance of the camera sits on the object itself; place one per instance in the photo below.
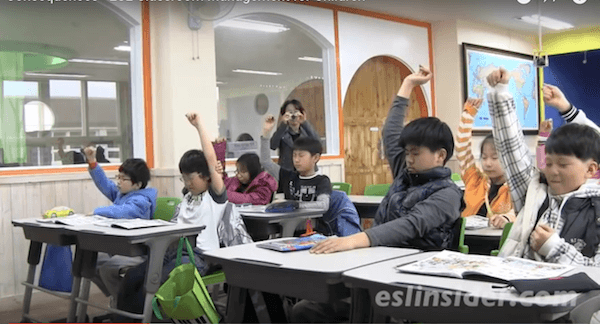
(293, 117)
(540, 60)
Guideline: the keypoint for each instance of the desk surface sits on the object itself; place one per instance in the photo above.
(382, 275)
(366, 200)
(255, 212)
(486, 231)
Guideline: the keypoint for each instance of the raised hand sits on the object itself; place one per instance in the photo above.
(90, 153)
(555, 98)
(420, 77)
(474, 102)
(219, 167)
(546, 126)
(500, 75)
(193, 118)
(268, 125)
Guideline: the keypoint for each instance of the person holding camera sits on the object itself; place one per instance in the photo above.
(292, 125)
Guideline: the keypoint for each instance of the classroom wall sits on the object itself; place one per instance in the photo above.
(448, 37)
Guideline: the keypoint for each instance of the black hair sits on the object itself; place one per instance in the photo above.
(489, 139)
(244, 137)
(251, 163)
(137, 170)
(309, 144)
(429, 132)
(194, 161)
(297, 104)
(582, 141)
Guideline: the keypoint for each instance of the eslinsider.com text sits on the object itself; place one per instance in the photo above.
(416, 296)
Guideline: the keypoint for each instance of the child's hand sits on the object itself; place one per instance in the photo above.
(193, 118)
(219, 167)
(268, 125)
(90, 153)
(546, 126)
(539, 236)
(498, 221)
(419, 78)
(331, 245)
(474, 102)
(555, 98)
(498, 76)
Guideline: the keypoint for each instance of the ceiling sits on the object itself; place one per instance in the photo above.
(93, 31)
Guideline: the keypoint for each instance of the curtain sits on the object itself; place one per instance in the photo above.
(12, 130)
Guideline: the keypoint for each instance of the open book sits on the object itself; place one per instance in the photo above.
(293, 244)
(459, 265)
(79, 219)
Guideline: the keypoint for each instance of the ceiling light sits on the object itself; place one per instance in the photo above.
(98, 62)
(57, 75)
(546, 22)
(311, 59)
(123, 48)
(256, 25)
(256, 72)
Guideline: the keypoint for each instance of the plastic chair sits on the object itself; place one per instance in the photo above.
(505, 233)
(458, 242)
(165, 207)
(377, 189)
(456, 177)
(342, 186)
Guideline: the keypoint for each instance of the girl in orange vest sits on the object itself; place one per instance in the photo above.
(486, 191)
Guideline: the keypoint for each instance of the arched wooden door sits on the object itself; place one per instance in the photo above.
(368, 100)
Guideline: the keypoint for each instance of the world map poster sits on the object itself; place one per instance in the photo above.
(480, 61)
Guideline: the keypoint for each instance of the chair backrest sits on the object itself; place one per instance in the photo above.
(505, 233)
(377, 189)
(342, 186)
(458, 241)
(456, 177)
(165, 207)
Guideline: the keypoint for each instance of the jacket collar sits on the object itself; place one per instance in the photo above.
(420, 178)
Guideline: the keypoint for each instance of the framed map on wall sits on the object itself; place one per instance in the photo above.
(479, 62)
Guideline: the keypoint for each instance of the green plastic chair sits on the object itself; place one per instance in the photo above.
(505, 233)
(377, 189)
(342, 186)
(165, 207)
(459, 239)
(456, 177)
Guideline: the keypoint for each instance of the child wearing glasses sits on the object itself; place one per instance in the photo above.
(131, 199)
(251, 185)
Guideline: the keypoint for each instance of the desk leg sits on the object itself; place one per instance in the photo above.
(289, 226)
(77, 264)
(33, 258)
(156, 250)
(360, 311)
(88, 271)
(236, 304)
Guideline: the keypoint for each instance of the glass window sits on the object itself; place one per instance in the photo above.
(280, 62)
(60, 91)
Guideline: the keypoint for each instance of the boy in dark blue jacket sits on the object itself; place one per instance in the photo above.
(131, 199)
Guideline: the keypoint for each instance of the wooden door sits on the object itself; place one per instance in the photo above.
(310, 94)
(368, 100)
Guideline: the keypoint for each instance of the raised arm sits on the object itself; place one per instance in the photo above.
(555, 98)
(265, 154)
(216, 179)
(508, 137)
(277, 136)
(464, 152)
(106, 186)
(394, 123)
(308, 128)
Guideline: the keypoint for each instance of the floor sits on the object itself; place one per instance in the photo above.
(45, 307)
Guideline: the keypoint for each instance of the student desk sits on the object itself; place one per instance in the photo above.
(91, 239)
(289, 221)
(366, 205)
(299, 274)
(483, 240)
(418, 293)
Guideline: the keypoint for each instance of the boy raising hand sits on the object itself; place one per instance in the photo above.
(423, 203)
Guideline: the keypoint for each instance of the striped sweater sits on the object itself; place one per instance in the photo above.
(476, 181)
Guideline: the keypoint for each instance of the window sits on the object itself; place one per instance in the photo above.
(60, 91)
(262, 61)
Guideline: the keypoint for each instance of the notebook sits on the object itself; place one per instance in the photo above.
(293, 244)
